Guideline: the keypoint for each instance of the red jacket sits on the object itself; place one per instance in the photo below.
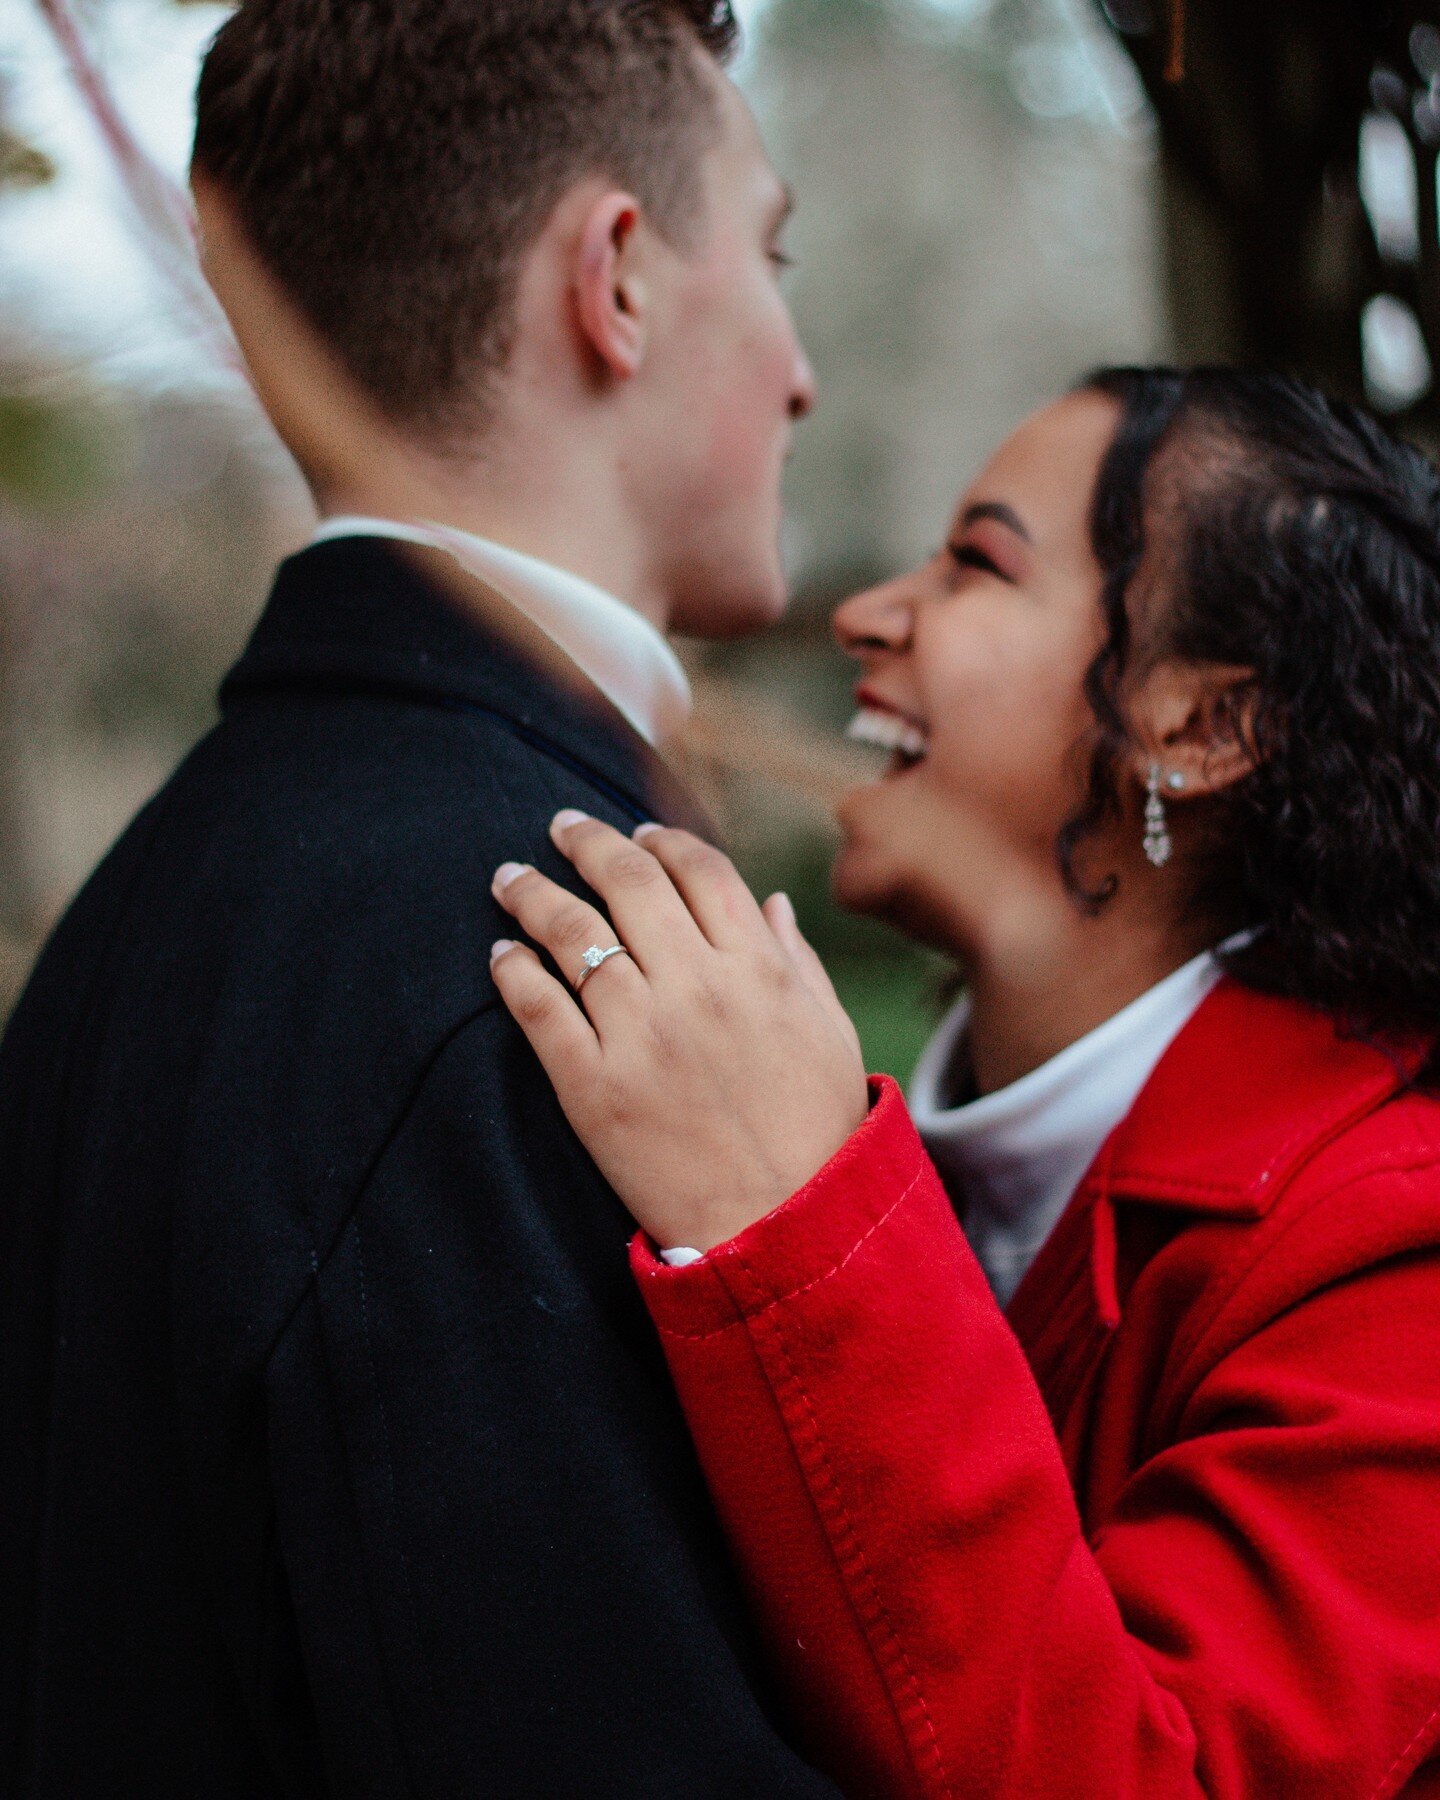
(1172, 1525)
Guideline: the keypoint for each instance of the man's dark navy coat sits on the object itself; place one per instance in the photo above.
(336, 1452)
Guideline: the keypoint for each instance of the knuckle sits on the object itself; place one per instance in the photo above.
(713, 1000)
(635, 869)
(703, 859)
(617, 1103)
(571, 928)
(779, 976)
(534, 1011)
(662, 1045)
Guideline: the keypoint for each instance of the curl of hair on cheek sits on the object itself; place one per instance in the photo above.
(1149, 399)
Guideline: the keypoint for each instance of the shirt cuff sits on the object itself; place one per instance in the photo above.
(681, 1259)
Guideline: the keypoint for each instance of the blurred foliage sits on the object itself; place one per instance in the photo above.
(50, 456)
(21, 164)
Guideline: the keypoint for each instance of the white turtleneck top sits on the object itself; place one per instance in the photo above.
(1011, 1160)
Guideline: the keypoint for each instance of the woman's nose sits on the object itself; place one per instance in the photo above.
(879, 619)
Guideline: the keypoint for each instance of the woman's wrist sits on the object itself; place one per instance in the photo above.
(730, 1216)
(865, 1189)
(886, 1117)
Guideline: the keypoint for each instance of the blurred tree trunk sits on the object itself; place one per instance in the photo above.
(1272, 258)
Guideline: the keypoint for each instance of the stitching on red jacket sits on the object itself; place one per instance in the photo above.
(700, 1337)
(842, 1532)
(1315, 1134)
(1135, 1179)
(1384, 1790)
(849, 1255)
(1206, 1328)
(732, 1252)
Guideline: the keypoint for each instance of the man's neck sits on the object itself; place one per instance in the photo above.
(579, 528)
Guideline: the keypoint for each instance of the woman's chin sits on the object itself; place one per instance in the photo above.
(868, 880)
(860, 881)
(874, 866)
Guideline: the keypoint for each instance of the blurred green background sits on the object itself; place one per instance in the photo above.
(995, 196)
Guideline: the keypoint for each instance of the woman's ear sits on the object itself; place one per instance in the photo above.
(611, 293)
(1196, 722)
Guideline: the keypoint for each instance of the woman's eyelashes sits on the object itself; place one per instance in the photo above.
(971, 556)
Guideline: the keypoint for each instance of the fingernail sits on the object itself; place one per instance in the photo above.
(505, 874)
(501, 947)
(564, 820)
(787, 907)
(642, 832)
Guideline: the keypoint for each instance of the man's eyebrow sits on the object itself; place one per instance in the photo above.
(1000, 513)
(785, 205)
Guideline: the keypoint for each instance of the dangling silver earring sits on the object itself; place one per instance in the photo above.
(1158, 846)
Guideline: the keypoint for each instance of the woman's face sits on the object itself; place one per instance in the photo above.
(974, 666)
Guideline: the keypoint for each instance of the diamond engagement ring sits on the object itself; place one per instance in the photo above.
(596, 958)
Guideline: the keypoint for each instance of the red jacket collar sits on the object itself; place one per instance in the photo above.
(1249, 1090)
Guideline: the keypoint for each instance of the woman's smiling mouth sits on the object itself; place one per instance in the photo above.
(889, 730)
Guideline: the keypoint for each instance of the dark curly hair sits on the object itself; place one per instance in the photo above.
(1246, 519)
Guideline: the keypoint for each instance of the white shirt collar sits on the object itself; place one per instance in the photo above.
(1012, 1159)
(625, 656)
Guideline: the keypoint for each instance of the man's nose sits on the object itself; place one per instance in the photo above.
(804, 393)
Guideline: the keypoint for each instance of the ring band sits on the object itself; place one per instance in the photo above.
(596, 958)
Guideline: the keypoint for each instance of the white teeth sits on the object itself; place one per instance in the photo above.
(887, 730)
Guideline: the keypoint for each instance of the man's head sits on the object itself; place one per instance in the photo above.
(534, 232)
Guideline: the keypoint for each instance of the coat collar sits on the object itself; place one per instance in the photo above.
(627, 657)
(1249, 1091)
(367, 616)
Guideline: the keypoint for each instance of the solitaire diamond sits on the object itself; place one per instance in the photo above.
(596, 958)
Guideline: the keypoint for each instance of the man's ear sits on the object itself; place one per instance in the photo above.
(1197, 722)
(611, 291)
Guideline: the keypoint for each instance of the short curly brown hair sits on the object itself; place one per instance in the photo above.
(393, 160)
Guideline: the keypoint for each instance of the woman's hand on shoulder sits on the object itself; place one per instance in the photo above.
(711, 1071)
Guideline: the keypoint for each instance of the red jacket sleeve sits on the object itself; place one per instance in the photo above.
(1249, 1622)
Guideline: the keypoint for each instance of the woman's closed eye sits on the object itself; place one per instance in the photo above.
(971, 556)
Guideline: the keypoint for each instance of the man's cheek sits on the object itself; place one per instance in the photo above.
(744, 446)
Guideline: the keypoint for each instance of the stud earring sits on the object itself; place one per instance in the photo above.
(1158, 845)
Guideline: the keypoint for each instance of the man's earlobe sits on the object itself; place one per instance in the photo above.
(610, 289)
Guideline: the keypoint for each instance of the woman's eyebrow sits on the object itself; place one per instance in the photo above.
(1000, 513)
